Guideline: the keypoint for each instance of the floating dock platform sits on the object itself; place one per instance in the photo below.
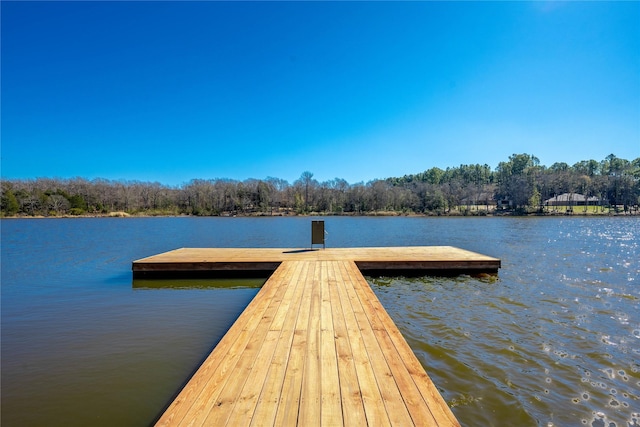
(315, 347)
(247, 261)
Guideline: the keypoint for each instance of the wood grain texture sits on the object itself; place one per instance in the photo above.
(314, 348)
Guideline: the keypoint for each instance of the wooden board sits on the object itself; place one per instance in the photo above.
(314, 348)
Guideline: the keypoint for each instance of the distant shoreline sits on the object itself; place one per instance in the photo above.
(518, 187)
(318, 214)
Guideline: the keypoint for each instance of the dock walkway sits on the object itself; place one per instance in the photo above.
(315, 347)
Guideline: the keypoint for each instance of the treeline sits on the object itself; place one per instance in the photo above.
(519, 185)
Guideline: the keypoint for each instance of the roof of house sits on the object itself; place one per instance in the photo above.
(571, 197)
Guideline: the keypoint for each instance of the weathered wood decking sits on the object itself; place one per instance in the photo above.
(314, 348)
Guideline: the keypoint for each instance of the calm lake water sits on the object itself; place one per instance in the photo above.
(552, 340)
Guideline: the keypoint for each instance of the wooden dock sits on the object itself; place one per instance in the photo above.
(420, 259)
(315, 347)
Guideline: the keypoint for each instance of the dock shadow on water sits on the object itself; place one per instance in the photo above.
(198, 283)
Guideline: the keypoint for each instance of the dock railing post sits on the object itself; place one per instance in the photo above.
(317, 234)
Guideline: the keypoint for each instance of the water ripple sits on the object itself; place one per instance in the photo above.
(559, 342)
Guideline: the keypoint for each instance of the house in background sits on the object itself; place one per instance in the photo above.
(484, 198)
(504, 203)
(573, 199)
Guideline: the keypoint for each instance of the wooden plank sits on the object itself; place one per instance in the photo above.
(391, 396)
(372, 398)
(270, 396)
(331, 404)
(287, 411)
(351, 396)
(309, 413)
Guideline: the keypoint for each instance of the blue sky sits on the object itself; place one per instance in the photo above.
(171, 91)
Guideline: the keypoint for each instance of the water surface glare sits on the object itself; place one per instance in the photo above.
(552, 340)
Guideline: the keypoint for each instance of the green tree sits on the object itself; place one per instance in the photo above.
(513, 182)
(77, 204)
(433, 176)
(535, 199)
(587, 167)
(10, 205)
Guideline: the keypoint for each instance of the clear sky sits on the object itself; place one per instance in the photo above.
(171, 91)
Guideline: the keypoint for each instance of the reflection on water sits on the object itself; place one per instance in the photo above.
(219, 283)
(109, 358)
(552, 340)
